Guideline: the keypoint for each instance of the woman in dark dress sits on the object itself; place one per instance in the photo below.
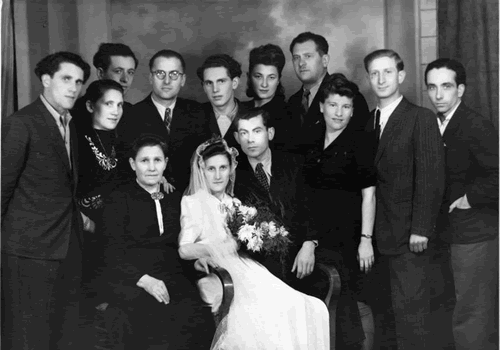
(97, 169)
(148, 285)
(339, 179)
(266, 63)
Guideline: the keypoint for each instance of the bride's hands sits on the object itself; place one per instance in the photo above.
(203, 264)
(155, 287)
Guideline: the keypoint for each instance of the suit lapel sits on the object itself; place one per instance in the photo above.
(313, 112)
(390, 128)
(55, 136)
(454, 123)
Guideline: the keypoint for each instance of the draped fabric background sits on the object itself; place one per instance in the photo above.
(9, 84)
(468, 32)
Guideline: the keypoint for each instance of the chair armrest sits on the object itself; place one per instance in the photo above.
(227, 292)
(333, 279)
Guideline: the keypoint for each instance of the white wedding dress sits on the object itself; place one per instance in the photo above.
(265, 313)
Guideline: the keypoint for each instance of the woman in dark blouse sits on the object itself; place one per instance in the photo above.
(339, 179)
(266, 63)
(146, 279)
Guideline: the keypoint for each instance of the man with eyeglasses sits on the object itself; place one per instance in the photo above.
(178, 121)
(220, 76)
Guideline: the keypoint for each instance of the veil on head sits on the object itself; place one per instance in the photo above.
(197, 181)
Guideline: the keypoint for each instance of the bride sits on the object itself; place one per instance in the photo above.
(265, 313)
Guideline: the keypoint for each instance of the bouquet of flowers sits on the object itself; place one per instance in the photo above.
(258, 230)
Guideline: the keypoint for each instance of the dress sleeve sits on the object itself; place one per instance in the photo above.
(191, 221)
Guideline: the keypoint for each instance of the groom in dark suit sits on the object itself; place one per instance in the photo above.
(273, 178)
(41, 223)
(468, 219)
(177, 121)
(410, 184)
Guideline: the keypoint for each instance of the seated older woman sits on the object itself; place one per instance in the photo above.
(146, 279)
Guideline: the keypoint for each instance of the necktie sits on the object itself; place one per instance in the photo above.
(64, 119)
(261, 176)
(305, 101)
(224, 123)
(377, 128)
(168, 117)
(441, 117)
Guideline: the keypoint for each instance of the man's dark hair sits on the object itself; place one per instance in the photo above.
(338, 84)
(102, 58)
(168, 54)
(384, 53)
(319, 40)
(451, 64)
(232, 66)
(268, 55)
(253, 113)
(52, 63)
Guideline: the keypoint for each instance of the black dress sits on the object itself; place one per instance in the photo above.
(333, 180)
(133, 248)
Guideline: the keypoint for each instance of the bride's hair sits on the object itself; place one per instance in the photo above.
(208, 149)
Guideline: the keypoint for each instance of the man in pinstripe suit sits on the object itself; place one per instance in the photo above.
(410, 184)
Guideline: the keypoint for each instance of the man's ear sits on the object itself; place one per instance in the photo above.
(270, 133)
(325, 59)
(237, 137)
(236, 82)
(88, 104)
(461, 90)
(46, 80)
(401, 76)
(100, 73)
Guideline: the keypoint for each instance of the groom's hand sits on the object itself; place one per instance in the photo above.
(304, 261)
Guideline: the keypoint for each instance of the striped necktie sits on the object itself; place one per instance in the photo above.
(168, 119)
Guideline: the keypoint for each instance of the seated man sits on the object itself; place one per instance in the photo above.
(271, 177)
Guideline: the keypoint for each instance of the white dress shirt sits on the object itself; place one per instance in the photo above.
(444, 124)
(161, 109)
(266, 164)
(386, 112)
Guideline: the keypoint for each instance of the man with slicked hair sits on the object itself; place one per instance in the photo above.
(468, 219)
(409, 162)
(41, 223)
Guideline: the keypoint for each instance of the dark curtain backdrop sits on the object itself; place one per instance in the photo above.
(468, 32)
(9, 86)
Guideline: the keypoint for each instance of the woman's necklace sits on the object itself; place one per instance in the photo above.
(105, 161)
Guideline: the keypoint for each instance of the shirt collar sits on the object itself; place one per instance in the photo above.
(390, 107)
(53, 111)
(231, 114)
(161, 108)
(314, 89)
(266, 162)
(452, 112)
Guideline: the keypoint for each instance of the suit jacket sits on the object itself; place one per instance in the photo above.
(213, 127)
(410, 177)
(283, 200)
(39, 209)
(187, 130)
(471, 147)
(303, 129)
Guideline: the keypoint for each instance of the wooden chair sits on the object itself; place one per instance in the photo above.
(228, 288)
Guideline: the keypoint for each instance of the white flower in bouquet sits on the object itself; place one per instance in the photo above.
(247, 212)
(264, 226)
(255, 243)
(273, 230)
(283, 231)
(245, 232)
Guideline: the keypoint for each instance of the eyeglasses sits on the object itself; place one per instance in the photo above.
(161, 74)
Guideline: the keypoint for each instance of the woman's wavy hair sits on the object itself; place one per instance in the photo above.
(268, 55)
